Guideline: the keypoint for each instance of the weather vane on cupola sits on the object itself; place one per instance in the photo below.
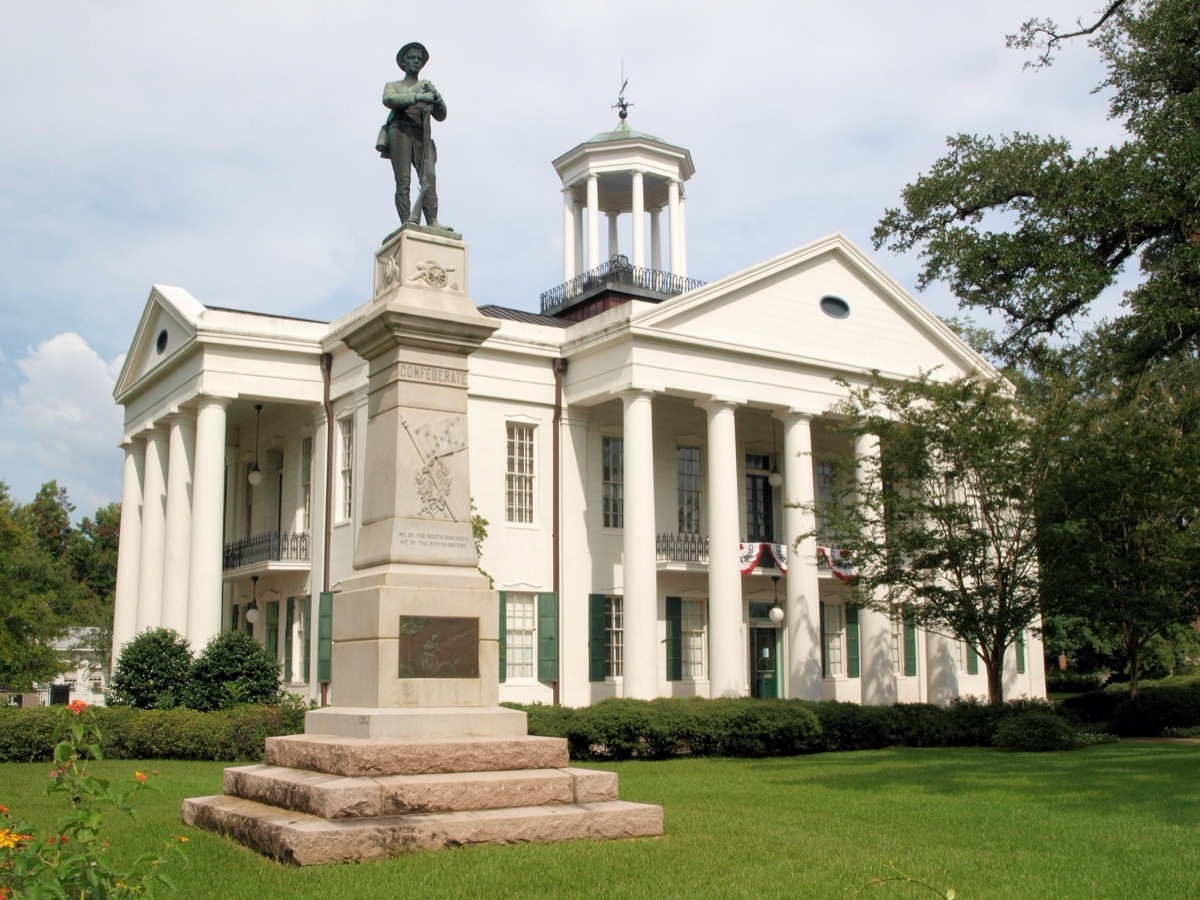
(622, 104)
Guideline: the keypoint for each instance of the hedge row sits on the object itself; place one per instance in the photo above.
(1171, 704)
(656, 729)
(27, 735)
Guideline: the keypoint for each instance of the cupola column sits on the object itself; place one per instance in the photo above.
(639, 225)
(593, 226)
(569, 258)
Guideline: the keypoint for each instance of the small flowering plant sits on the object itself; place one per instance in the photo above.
(74, 861)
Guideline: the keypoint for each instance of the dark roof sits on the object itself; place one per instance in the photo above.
(520, 315)
(251, 312)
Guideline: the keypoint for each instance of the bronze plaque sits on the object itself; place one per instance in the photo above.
(439, 647)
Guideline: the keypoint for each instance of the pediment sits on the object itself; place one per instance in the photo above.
(167, 328)
(774, 309)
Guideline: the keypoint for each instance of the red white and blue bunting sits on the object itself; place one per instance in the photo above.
(749, 555)
(839, 563)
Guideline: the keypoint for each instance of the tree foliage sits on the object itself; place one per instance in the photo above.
(1024, 226)
(1118, 515)
(233, 668)
(939, 523)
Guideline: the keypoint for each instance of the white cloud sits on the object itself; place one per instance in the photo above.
(62, 424)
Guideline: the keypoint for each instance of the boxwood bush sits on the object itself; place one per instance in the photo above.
(1034, 731)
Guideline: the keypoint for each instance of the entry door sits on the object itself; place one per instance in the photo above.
(764, 663)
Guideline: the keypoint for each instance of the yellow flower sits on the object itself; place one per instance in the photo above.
(181, 839)
(9, 839)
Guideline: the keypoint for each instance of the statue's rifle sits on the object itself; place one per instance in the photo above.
(414, 214)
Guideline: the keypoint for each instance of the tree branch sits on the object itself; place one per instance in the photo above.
(1044, 34)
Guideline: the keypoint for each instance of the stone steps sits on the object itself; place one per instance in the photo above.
(324, 798)
(340, 797)
(304, 839)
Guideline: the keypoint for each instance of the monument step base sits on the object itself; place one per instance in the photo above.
(303, 839)
(416, 722)
(374, 757)
(342, 797)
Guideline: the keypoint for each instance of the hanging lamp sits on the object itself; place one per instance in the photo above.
(256, 476)
(774, 479)
(776, 613)
(252, 610)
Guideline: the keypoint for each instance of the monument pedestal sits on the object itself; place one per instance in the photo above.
(415, 629)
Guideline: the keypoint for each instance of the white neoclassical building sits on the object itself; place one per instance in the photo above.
(641, 450)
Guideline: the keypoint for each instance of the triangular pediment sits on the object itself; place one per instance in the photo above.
(775, 309)
(167, 328)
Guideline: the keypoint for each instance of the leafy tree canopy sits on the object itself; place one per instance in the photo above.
(1024, 226)
(939, 523)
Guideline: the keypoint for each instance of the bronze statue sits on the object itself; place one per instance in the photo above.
(405, 138)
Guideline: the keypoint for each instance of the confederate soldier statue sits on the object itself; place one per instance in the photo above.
(405, 139)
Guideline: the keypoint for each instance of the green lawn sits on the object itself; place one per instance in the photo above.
(1106, 821)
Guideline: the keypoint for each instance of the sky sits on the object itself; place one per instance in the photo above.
(227, 147)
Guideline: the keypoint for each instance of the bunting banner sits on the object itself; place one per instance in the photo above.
(839, 563)
(748, 555)
(780, 553)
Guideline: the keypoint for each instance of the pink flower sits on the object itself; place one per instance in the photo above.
(77, 706)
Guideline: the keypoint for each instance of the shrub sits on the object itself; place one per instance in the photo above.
(1059, 682)
(921, 725)
(234, 668)
(151, 670)
(849, 726)
(1034, 731)
(1156, 708)
(1096, 707)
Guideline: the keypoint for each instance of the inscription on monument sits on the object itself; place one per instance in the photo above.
(439, 647)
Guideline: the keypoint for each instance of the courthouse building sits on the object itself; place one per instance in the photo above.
(641, 450)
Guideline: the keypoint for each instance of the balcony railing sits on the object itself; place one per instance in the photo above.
(672, 547)
(270, 546)
(617, 271)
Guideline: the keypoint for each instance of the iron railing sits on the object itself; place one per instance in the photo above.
(672, 547)
(270, 546)
(617, 271)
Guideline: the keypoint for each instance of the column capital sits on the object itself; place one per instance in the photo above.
(793, 416)
(717, 404)
(633, 394)
(208, 401)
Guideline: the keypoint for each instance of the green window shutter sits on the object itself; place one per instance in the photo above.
(289, 625)
(325, 636)
(272, 634)
(1020, 652)
(910, 647)
(821, 625)
(972, 659)
(852, 641)
(547, 640)
(503, 636)
(306, 654)
(597, 637)
(674, 639)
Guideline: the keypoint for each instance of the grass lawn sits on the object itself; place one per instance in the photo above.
(1105, 821)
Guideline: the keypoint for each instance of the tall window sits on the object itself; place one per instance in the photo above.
(832, 626)
(519, 636)
(346, 430)
(306, 448)
(687, 481)
(904, 643)
(824, 478)
(614, 638)
(518, 484)
(692, 622)
(613, 481)
(759, 508)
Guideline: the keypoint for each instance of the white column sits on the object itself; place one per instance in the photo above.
(206, 551)
(728, 669)
(614, 245)
(640, 575)
(803, 609)
(673, 224)
(638, 238)
(593, 227)
(125, 601)
(316, 579)
(568, 234)
(177, 538)
(579, 256)
(682, 270)
(154, 498)
(875, 628)
(655, 240)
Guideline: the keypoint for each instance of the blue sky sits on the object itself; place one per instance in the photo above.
(227, 148)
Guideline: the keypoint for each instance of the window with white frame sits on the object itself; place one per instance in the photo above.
(688, 482)
(614, 637)
(518, 479)
(904, 643)
(346, 466)
(823, 473)
(306, 448)
(960, 655)
(833, 640)
(692, 629)
(613, 481)
(519, 637)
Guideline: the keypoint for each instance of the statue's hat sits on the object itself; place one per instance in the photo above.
(410, 45)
